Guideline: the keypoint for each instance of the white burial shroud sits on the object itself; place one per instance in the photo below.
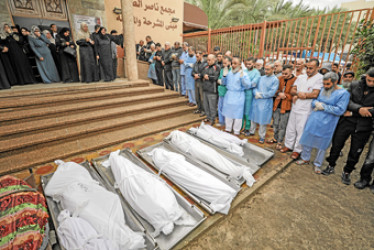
(77, 233)
(198, 150)
(195, 180)
(148, 194)
(73, 186)
(220, 138)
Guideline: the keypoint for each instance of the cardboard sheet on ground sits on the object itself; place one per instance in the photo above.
(108, 217)
(156, 203)
(208, 155)
(228, 143)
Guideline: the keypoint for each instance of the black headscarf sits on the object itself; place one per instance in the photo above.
(100, 34)
(62, 34)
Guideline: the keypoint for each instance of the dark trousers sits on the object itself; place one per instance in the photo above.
(169, 78)
(199, 95)
(358, 141)
(115, 65)
(210, 105)
(160, 76)
(367, 168)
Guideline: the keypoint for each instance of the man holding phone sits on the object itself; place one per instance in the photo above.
(357, 122)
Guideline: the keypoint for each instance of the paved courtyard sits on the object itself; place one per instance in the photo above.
(299, 210)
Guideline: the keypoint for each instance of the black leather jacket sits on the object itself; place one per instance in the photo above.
(198, 68)
(212, 71)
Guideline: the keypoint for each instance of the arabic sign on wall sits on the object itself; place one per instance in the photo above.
(90, 20)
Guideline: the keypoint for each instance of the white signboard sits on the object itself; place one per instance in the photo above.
(90, 20)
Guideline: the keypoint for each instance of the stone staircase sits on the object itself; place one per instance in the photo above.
(39, 125)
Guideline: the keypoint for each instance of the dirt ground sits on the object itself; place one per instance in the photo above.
(299, 210)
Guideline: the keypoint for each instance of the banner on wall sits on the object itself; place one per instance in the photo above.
(90, 20)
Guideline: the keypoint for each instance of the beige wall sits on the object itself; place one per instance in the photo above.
(356, 5)
(158, 34)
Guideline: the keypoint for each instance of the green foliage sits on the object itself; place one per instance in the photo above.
(226, 13)
(364, 48)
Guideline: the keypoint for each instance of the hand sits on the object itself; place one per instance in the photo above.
(41, 59)
(97, 57)
(67, 43)
(206, 77)
(219, 81)
(225, 71)
(241, 73)
(163, 63)
(294, 99)
(319, 106)
(5, 50)
(364, 111)
(258, 95)
(282, 95)
(88, 39)
(92, 42)
(347, 113)
(301, 95)
(72, 46)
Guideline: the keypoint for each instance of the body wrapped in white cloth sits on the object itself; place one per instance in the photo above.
(73, 186)
(148, 194)
(195, 180)
(224, 140)
(198, 150)
(77, 233)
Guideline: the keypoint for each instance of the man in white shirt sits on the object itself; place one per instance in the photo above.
(53, 28)
(305, 89)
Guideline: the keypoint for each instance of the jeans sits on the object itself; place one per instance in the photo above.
(306, 154)
(191, 96)
(168, 78)
(280, 124)
(176, 78)
(183, 85)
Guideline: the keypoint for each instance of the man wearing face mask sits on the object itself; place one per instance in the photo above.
(236, 81)
(190, 81)
(254, 76)
(330, 104)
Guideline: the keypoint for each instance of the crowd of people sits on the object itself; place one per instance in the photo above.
(311, 105)
(54, 53)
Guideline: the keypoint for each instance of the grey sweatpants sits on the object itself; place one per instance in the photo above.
(210, 105)
(199, 95)
(280, 124)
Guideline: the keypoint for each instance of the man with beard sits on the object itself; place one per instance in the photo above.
(299, 67)
(210, 77)
(282, 105)
(147, 49)
(197, 73)
(278, 68)
(357, 123)
(262, 106)
(327, 108)
(347, 80)
(167, 69)
(259, 65)
(219, 59)
(236, 81)
(305, 89)
(254, 76)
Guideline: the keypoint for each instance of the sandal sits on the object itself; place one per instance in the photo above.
(272, 141)
(206, 120)
(317, 170)
(279, 146)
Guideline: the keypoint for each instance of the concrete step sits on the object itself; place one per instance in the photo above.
(13, 116)
(34, 101)
(87, 128)
(69, 119)
(63, 88)
(13, 161)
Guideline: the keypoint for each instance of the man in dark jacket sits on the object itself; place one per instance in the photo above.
(197, 73)
(210, 77)
(176, 53)
(357, 122)
(147, 49)
(167, 68)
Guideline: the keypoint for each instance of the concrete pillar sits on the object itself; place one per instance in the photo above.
(129, 37)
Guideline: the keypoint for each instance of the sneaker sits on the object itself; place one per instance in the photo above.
(361, 184)
(262, 140)
(202, 114)
(302, 162)
(328, 170)
(346, 178)
(317, 170)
